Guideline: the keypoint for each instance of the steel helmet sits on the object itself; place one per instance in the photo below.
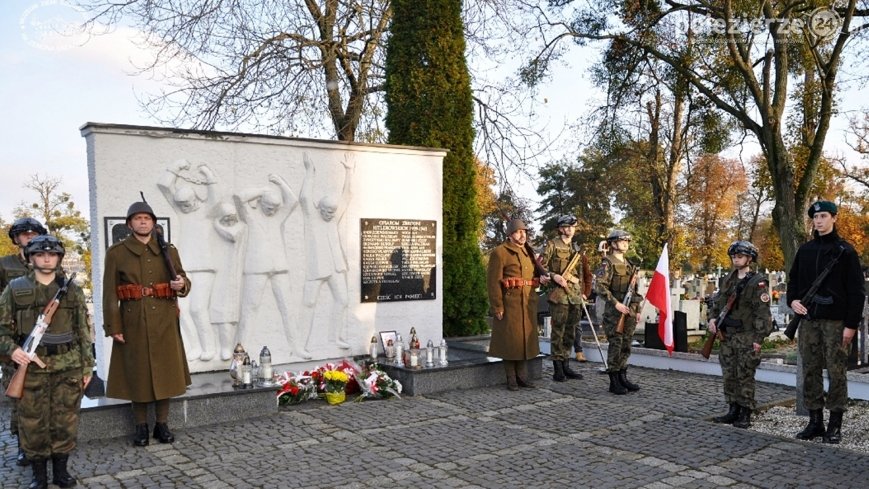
(743, 248)
(618, 234)
(24, 225)
(139, 208)
(515, 225)
(566, 221)
(44, 244)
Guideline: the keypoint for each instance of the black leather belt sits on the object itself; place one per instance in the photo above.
(52, 350)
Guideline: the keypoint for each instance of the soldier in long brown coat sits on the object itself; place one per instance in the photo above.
(511, 283)
(140, 310)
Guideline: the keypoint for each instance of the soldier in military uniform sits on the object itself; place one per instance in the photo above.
(612, 280)
(140, 310)
(742, 331)
(14, 266)
(512, 277)
(829, 321)
(566, 296)
(49, 407)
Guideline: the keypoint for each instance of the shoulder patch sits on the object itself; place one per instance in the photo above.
(764, 297)
(602, 268)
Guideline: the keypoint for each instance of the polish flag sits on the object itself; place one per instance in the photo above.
(659, 296)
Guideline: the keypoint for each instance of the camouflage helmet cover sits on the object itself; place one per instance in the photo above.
(742, 248)
(44, 244)
(24, 225)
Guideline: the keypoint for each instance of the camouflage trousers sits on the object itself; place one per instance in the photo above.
(820, 343)
(8, 369)
(739, 363)
(48, 412)
(619, 349)
(565, 317)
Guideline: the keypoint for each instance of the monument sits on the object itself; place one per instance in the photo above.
(306, 246)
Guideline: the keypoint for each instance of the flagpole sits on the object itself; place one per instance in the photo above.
(596, 340)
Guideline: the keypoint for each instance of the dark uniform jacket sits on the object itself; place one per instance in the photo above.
(515, 337)
(750, 314)
(68, 333)
(840, 296)
(151, 364)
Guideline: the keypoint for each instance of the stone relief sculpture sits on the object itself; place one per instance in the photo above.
(179, 186)
(229, 254)
(325, 260)
(264, 211)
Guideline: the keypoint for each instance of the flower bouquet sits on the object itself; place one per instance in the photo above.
(296, 388)
(376, 384)
(335, 383)
(350, 369)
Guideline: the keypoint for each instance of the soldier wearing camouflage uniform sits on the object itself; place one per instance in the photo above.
(829, 321)
(565, 298)
(742, 332)
(49, 407)
(11, 267)
(612, 280)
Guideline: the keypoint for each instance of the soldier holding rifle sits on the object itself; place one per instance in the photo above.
(745, 296)
(829, 320)
(563, 260)
(50, 396)
(13, 266)
(616, 280)
(141, 285)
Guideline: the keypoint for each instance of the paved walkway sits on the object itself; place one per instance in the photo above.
(572, 434)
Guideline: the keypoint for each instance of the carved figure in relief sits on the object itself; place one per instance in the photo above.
(325, 259)
(265, 210)
(182, 188)
(229, 254)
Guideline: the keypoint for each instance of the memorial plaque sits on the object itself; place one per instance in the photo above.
(399, 259)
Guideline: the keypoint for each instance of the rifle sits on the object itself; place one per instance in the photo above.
(572, 264)
(16, 384)
(620, 327)
(807, 299)
(538, 268)
(164, 246)
(707, 345)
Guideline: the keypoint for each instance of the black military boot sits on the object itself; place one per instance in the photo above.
(162, 433)
(731, 416)
(522, 377)
(59, 475)
(140, 439)
(744, 420)
(568, 372)
(40, 473)
(558, 375)
(21, 459)
(616, 386)
(623, 378)
(815, 428)
(834, 428)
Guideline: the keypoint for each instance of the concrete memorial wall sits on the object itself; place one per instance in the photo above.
(270, 232)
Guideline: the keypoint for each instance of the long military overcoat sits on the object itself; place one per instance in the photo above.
(515, 336)
(151, 364)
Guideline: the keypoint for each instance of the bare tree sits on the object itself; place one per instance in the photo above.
(743, 67)
(315, 67)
